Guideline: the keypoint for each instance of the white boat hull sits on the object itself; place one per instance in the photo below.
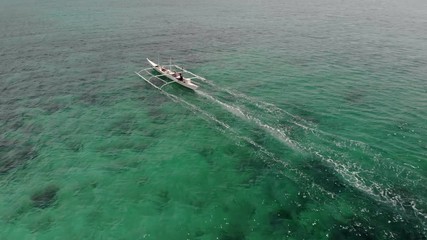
(186, 82)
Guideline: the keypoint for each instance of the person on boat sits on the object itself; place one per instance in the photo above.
(179, 76)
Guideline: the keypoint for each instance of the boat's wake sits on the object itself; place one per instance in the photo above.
(264, 121)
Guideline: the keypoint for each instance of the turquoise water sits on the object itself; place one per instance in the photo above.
(311, 125)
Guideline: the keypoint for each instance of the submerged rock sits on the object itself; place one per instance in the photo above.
(45, 197)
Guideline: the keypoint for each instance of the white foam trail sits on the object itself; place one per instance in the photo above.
(235, 110)
(271, 156)
(206, 114)
(269, 107)
(226, 126)
(375, 190)
(275, 132)
(353, 178)
(350, 177)
(274, 110)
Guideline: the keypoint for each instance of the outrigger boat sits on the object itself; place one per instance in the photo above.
(175, 75)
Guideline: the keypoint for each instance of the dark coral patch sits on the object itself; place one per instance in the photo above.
(14, 154)
(324, 176)
(354, 97)
(95, 99)
(303, 113)
(254, 168)
(45, 197)
(74, 145)
(278, 217)
(207, 152)
(123, 125)
(232, 235)
(161, 199)
(157, 115)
